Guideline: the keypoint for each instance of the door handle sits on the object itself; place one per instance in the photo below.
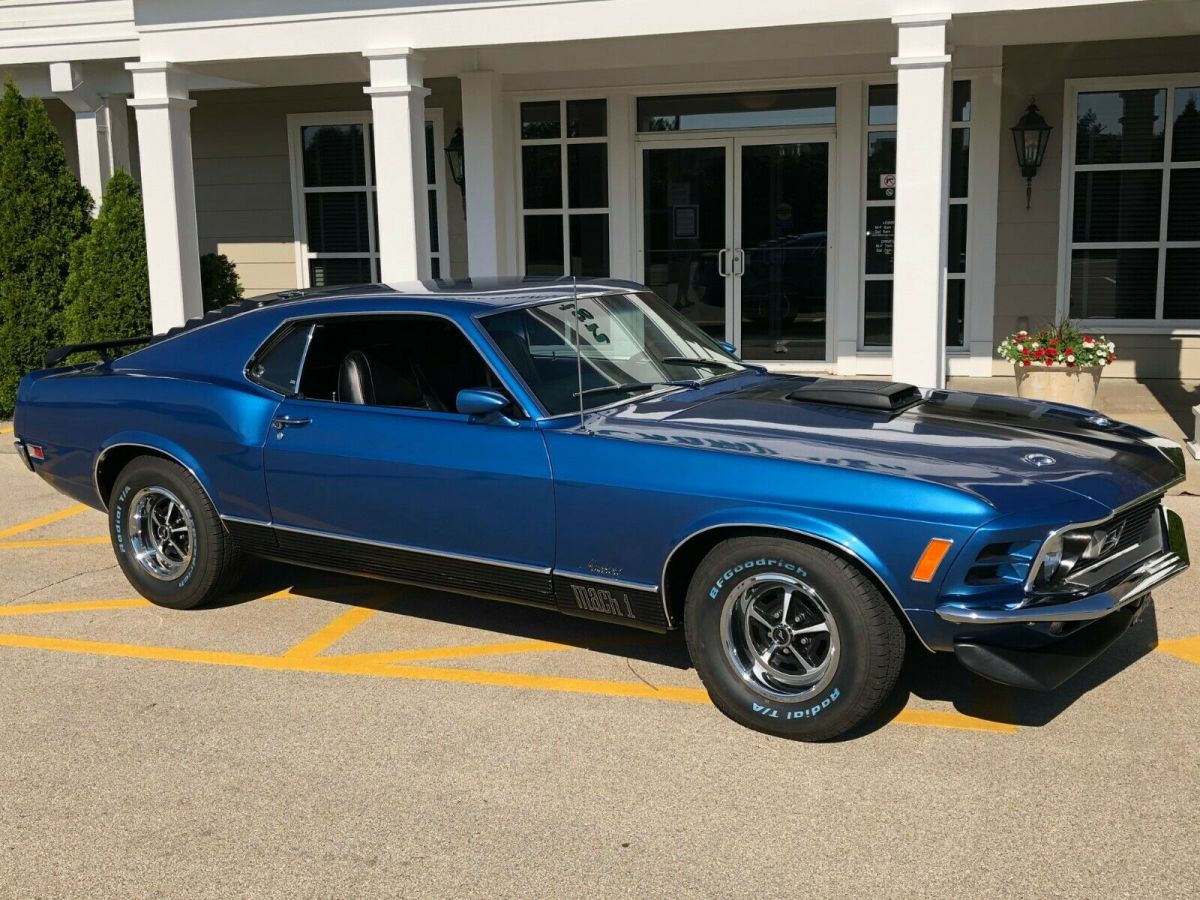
(739, 262)
(721, 270)
(281, 422)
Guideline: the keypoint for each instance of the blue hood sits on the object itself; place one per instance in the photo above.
(977, 443)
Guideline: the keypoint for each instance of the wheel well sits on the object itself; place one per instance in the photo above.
(686, 558)
(116, 459)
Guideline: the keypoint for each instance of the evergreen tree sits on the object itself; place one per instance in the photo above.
(108, 291)
(43, 212)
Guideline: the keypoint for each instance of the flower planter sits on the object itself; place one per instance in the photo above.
(1059, 384)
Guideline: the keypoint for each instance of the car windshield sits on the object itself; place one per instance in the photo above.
(629, 344)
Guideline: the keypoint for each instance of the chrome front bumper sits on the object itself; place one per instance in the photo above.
(1148, 575)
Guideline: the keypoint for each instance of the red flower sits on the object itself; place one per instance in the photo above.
(1024, 362)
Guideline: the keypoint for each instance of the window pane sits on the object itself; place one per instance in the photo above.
(541, 178)
(881, 104)
(960, 161)
(956, 240)
(430, 150)
(881, 165)
(543, 245)
(1185, 144)
(328, 272)
(279, 368)
(956, 308)
(1113, 284)
(589, 245)
(960, 104)
(877, 314)
(1117, 206)
(881, 235)
(1120, 126)
(540, 120)
(587, 118)
(1183, 212)
(333, 155)
(1181, 293)
(337, 223)
(813, 106)
(433, 221)
(587, 175)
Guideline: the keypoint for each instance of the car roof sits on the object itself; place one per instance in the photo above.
(472, 295)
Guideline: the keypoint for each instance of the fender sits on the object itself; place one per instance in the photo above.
(162, 445)
(819, 531)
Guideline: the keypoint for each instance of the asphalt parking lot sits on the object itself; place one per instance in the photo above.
(327, 736)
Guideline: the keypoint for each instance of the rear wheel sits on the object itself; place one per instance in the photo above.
(791, 639)
(168, 538)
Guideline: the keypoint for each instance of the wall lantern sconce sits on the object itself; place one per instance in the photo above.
(454, 160)
(1031, 134)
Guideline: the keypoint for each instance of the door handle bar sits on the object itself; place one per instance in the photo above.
(721, 269)
(281, 422)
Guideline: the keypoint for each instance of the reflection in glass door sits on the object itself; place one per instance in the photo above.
(782, 250)
(686, 229)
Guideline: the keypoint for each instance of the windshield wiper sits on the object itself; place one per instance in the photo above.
(698, 363)
(630, 386)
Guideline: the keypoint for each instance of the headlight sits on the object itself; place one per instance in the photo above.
(1067, 551)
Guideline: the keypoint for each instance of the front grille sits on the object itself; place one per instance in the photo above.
(1133, 524)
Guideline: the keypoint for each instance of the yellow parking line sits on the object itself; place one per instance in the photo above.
(331, 633)
(1184, 648)
(6, 429)
(347, 666)
(945, 719)
(39, 609)
(42, 520)
(57, 542)
(502, 648)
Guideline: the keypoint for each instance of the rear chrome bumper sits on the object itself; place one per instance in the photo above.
(1148, 575)
(24, 454)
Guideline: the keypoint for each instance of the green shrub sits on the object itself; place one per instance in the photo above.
(108, 291)
(218, 281)
(43, 212)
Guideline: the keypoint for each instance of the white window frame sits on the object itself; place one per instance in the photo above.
(1072, 88)
(435, 118)
(297, 121)
(966, 200)
(565, 211)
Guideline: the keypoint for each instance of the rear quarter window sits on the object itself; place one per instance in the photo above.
(277, 365)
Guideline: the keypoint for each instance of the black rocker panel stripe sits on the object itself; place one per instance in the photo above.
(477, 578)
(610, 602)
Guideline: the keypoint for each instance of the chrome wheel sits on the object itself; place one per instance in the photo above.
(780, 636)
(162, 534)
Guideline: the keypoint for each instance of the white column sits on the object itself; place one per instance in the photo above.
(919, 293)
(116, 122)
(163, 112)
(91, 131)
(398, 113)
(847, 241)
(482, 126)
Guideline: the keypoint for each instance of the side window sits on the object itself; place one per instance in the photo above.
(408, 361)
(278, 365)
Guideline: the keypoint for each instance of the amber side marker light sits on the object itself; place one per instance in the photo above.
(927, 565)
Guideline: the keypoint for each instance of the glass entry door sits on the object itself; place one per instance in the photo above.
(735, 235)
(687, 222)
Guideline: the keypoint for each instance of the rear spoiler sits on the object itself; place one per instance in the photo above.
(58, 354)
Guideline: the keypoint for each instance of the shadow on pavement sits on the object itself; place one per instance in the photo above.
(925, 675)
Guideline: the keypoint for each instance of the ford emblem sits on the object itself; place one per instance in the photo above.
(1039, 459)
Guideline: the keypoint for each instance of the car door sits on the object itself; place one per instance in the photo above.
(416, 492)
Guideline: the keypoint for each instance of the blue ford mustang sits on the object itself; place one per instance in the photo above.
(585, 448)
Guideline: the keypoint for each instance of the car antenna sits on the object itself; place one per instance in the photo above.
(578, 356)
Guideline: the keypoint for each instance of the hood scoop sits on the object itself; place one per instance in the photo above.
(888, 397)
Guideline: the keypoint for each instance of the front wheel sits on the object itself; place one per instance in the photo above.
(791, 639)
(167, 536)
